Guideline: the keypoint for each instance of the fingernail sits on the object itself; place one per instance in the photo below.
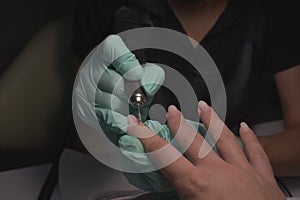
(172, 110)
(199, 111)
(244, 126)
(132, 120)
(203, 106)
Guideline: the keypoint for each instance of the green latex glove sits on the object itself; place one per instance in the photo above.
(151, 181)
(106, 70)
(115, 64)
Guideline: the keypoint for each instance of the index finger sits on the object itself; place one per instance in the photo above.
(226, 142)
(166, 157)
(188, 138)
(113, 51)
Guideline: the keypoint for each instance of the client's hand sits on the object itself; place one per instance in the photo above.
(133, 149)
(233, 174)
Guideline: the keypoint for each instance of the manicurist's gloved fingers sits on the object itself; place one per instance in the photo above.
(112, 82)
(109, 101)
(111, 53)
(256, 154)
(95, 74)
(226, 142)
(152, 79)
(160, 151)
(114, 120)
(115, 53)
(188, 139)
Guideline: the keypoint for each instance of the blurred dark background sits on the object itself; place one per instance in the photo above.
(36, 78)
(20, 20)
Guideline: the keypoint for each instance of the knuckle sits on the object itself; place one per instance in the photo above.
(191, 183)
(226, 139)
(107, 47)
(110, 39)
(259, 154)
(262, 155)
(155, 144)
(207, 115)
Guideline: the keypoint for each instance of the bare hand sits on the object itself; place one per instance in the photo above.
(234, 174)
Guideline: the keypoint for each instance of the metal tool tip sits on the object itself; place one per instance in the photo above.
(139, 116)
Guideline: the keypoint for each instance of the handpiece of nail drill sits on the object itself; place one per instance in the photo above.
(126, 19)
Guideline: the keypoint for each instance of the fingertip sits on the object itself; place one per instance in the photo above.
(152, 68)
(244, 128)
(112, 38)
(172, 112)
(152, 79)
(203, 107)
(246, 132)
(131, 72)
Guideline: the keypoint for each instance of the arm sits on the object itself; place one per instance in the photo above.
(283, 148)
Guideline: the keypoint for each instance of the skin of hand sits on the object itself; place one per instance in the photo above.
(236, 174)
(283, 148)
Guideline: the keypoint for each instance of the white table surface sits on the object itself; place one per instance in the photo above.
(81, 177)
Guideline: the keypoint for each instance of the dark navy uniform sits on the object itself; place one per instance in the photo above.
(251, 41)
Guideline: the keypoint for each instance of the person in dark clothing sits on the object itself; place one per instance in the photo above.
(254, 45)
(226, 30)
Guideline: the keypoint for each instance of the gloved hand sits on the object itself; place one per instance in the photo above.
(105, 70)
(133, 149)
(113, 63)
